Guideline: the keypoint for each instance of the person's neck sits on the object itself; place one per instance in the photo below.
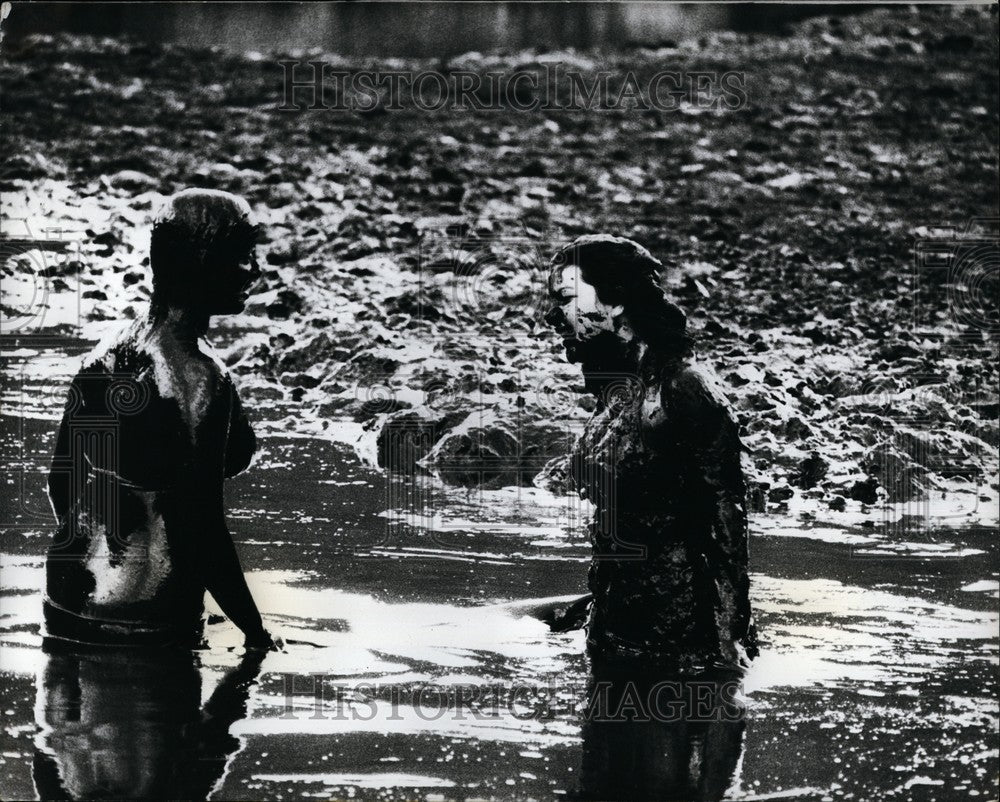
(186, 325)
(609, 362)
(648, 365)
(654, 364)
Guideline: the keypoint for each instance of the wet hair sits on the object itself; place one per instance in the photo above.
(624, 273)
(198, 230)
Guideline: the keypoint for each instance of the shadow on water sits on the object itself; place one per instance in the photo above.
(128, 723)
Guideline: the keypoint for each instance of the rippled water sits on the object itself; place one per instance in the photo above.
(415, 667)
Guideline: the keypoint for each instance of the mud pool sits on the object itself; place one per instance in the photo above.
(416, 671)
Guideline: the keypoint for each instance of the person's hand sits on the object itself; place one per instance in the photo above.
(264, 641)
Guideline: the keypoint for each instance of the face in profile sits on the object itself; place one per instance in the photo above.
(231, 281)
(577, 314)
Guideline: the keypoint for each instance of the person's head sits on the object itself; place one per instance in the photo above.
(605, 294)
(202, 252)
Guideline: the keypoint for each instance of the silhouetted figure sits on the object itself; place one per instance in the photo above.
(646, 736)
(127, 722)
(152, 427)
(660, 460)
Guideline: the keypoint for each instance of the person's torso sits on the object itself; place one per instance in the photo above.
(122, 555)
(634, 477)
(655, 591)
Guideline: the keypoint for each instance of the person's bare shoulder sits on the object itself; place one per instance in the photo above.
(194, 379)
(104, 357)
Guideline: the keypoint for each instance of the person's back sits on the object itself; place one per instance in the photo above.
(124, 449)
(152, 426)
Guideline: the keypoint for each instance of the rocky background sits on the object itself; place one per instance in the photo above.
(406, 250)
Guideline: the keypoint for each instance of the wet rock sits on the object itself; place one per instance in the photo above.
(555, 476)
(780, 493)
(745, 374)
(417, 304)
(303, 380)
(368, 367)
(865, 491)
(896, 471)
(100, 313)
(988, 431)
(25, 166)
(498, 447)
(221, 173)
(795, 429)
(934, 449)
(324, 347)
(374, 407)
(897, 350)
(820, 335)
(758, 402)
(133, 181)
(405, 438)
(283, 252)
(71, 267)
(951, 43)
(811, 471)
(106, 238)
(351, 250)
(757, 495)
(285, 305)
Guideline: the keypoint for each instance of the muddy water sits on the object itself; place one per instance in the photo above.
(414, 669)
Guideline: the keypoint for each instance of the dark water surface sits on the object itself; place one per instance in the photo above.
(418, 672)
(425, 30)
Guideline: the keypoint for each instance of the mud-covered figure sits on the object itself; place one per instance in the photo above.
(661, 461)
(128, 722)
(152, 428)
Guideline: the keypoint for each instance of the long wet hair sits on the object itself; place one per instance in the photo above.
(195, 231)
(624, 273)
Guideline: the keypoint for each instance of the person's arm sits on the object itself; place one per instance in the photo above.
(63, 473)
(242, 443)
(708, 430)
(224, 578)
(60, 472)
(202, 500)
(704, 428)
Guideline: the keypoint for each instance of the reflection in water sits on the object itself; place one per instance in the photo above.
(128, 722)
(651, 736)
